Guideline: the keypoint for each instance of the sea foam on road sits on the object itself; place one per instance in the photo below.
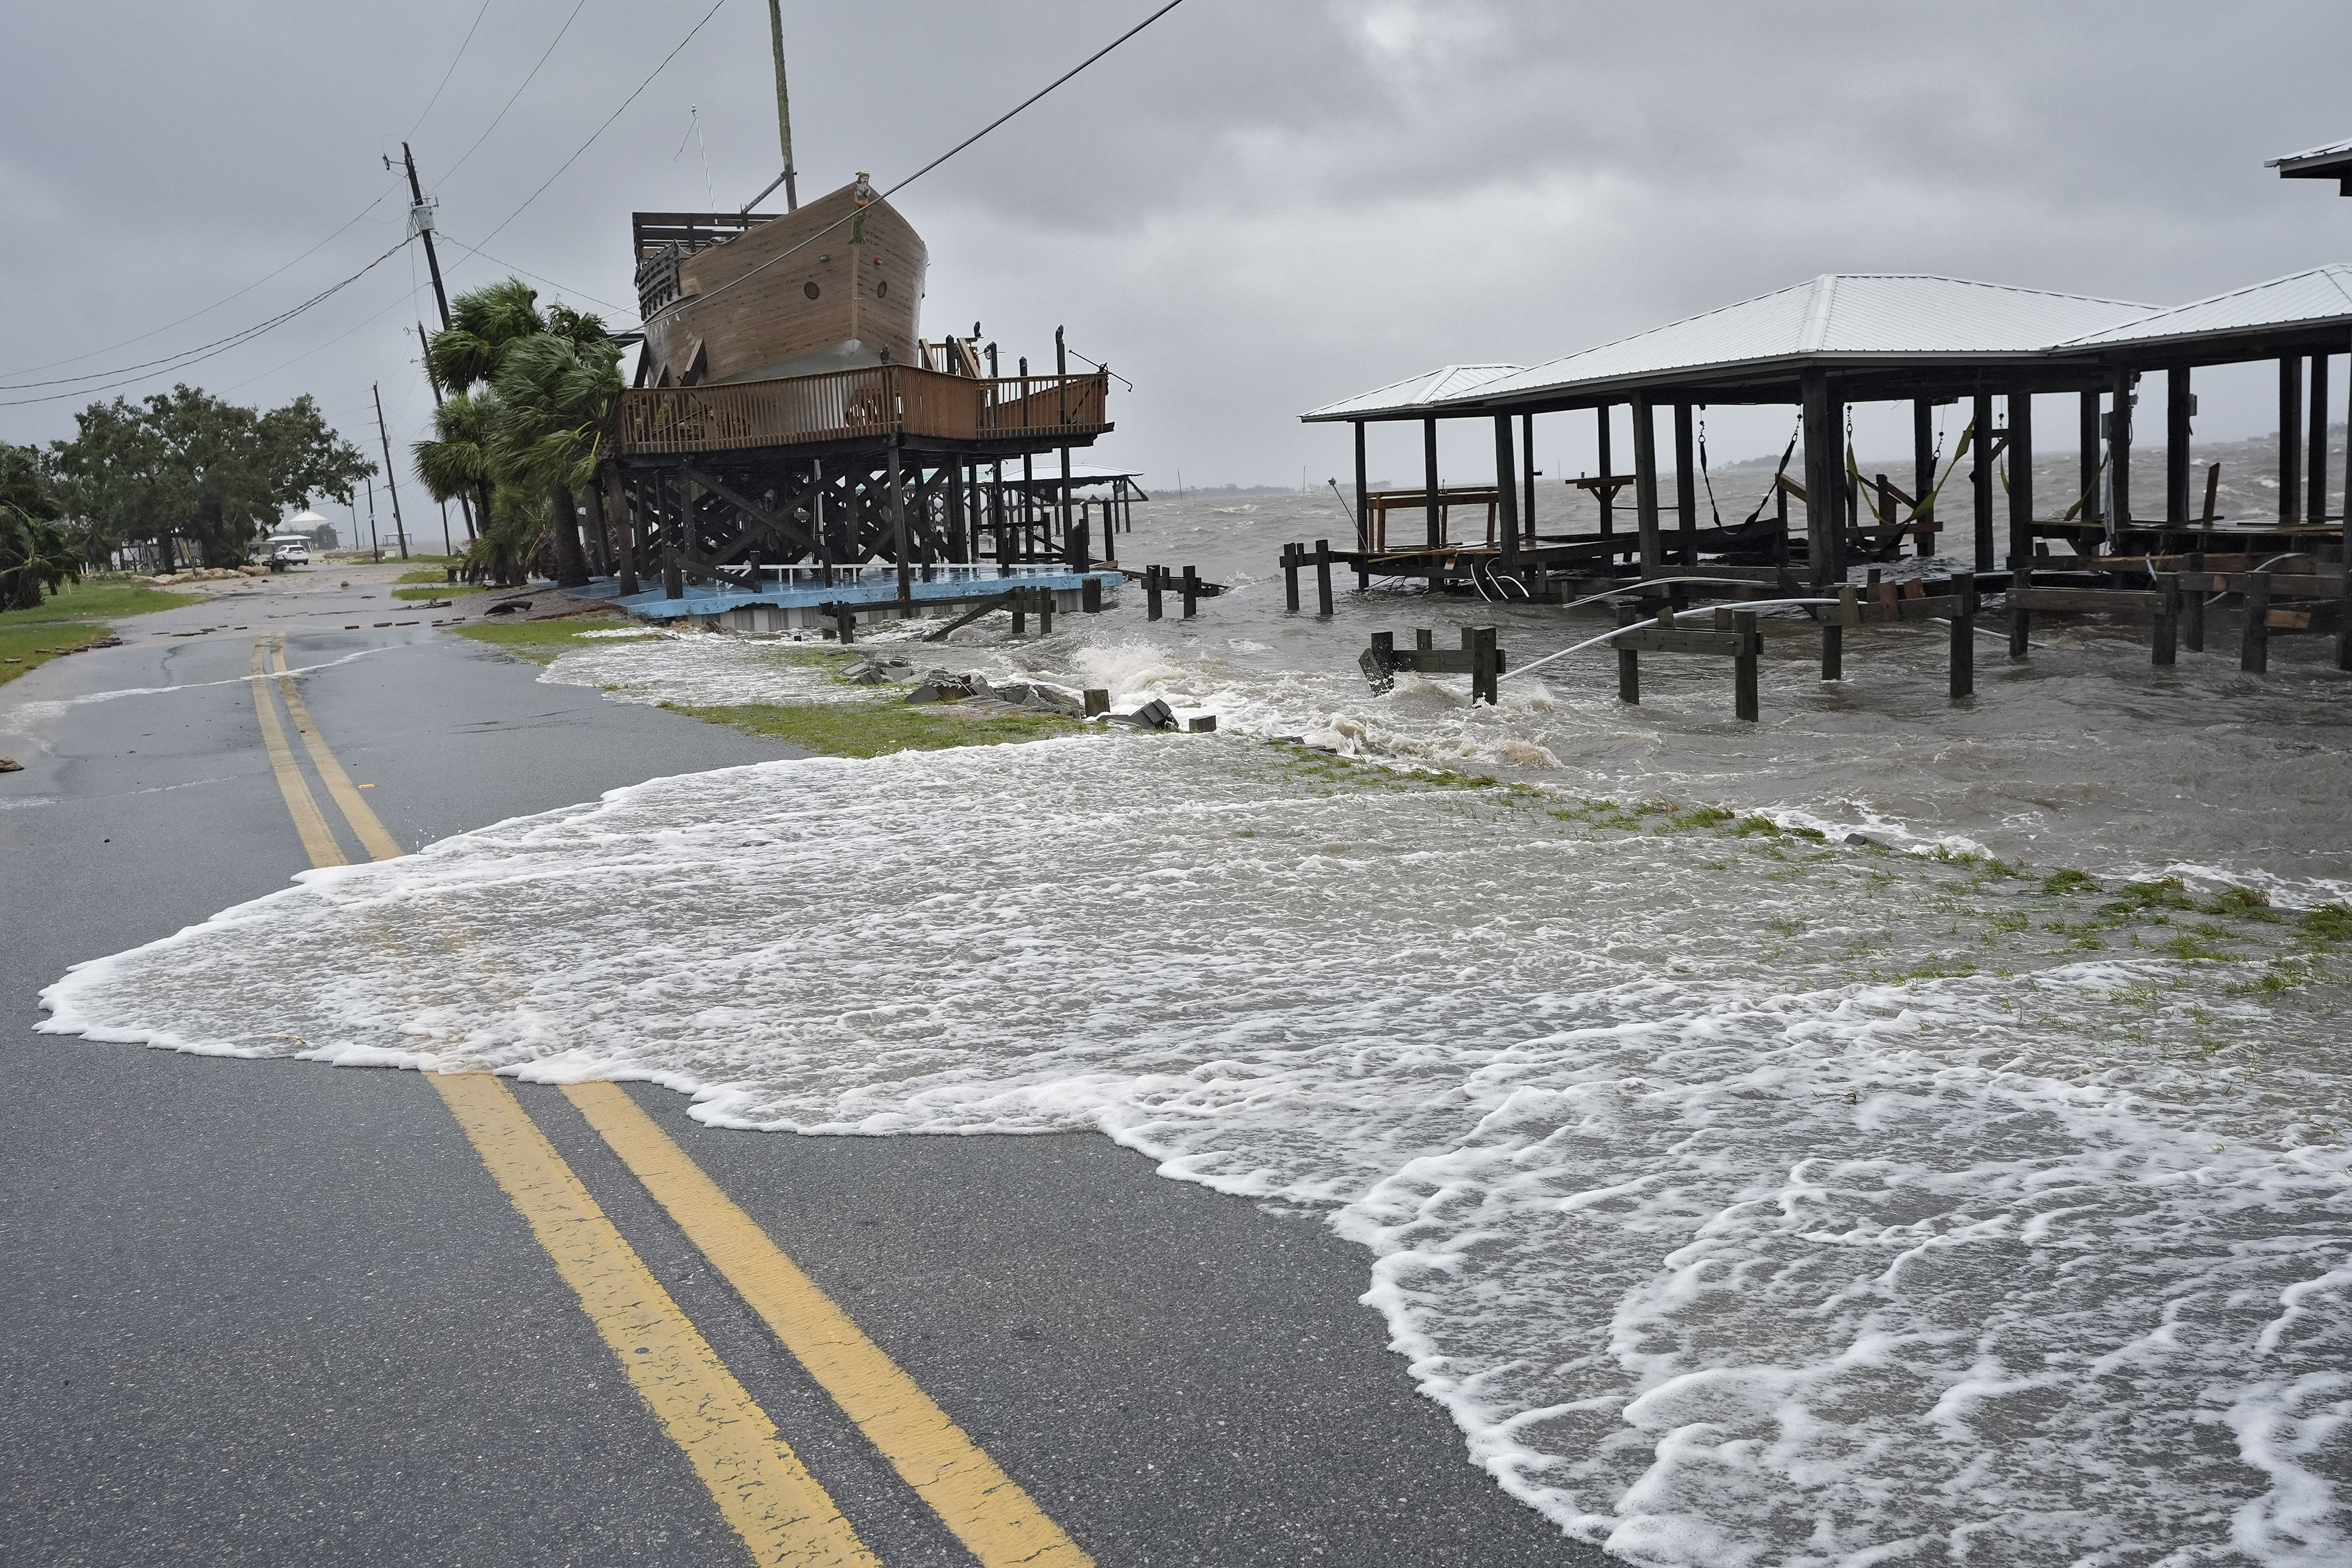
(1746, 1200)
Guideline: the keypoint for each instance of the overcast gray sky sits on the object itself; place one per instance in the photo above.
(1250, 209)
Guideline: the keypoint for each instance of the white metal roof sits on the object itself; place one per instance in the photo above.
(1416, 392)
(1840, 316)
(2331, 149)
(2316, 295)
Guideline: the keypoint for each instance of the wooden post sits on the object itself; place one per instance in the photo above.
(845, 621)
(1193, 592)
(1506, 493)
(1478, 642)
(1322, 577)
(2021, 477)
(2093, 503)
(2344, 615)
(1363, 523)
(1527, 465)
(1090, 596)
(1606, 494)
(1780, 527)
(1964, 636)
(1289, 580)
(1984, 477)
(2166, 642)
(2176, 444)
(1821, 479)
(1645, 488)
(2290, 477)
(2119, 439)
(898, 525)
(1923, 468)
(2255, 653)
(1834, 649)
(1020, 612)
(1744, 704)
(1628, 663)
(1686, 484)
(2192, 604)
(1045, 612)
(2315, 492)
(1151, 605)
(1886, 509)
(1429, 484)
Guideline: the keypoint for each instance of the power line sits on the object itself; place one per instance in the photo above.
(215, 305)
(951, 151)
(453, 67)
(204, 352)
(615, 115)
(583, 293)
(501, 114)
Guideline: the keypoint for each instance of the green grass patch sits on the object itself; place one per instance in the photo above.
(2164, 893)
(2066, 880)
(2328, 923)
(2245, 903)
(859, 730)
(77, 615)
(537, 641)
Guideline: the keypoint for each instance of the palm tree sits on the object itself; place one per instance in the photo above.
(555, 393)
(457, 463)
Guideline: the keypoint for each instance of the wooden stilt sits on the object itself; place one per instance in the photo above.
(1923, 469)
(2176, 444)
(1323, 577)
(1429, 484)
(1507, 495)
(1363, 538)
(1686, 485)
(1832, 650)
(2020, 478)
(1823, 467)
(1628, 663)
(1290, 553)
(2095, 506)
(2290, 476)
(2315, 492)
(2165, 644)
(1964, 636)
(1607, 494)
(1645, 489)
(1743, 699)
(1527, 467)
(1984, 475)
(1192, 593)
(2254, 651)
(2119, 440)
(1151, 605)
(2192, 604)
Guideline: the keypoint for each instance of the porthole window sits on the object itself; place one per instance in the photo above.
(809, 290)
(882, 288)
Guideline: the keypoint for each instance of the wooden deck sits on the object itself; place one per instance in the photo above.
(853, 404)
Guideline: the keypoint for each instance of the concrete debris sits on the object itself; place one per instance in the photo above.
(10, 765)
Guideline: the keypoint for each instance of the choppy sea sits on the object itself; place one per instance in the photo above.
(1891, 1132)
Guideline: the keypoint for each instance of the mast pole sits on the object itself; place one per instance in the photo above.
(421, 220)
(783, 106)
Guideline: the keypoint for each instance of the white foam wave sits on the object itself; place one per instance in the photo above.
(1724, 1243)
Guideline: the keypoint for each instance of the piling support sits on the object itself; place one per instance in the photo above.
(1923, 468)
(898, 549)
(2290, 427)
(1192, 593)
(1964, 636)
(1527, 467)
(2176, 444)
(2254, 652)
(1686, 485)
(2021, 477)
(2344, 617)
(1322, 577)
(1507, 494)
(1485, 665)
(2119, 440)
(2093, 503)
(1833, 650)
(1429, 486)
(1290, 553)
(1151, 605)
(1645, 488)
(2192, 605)
(1983, 476)
(1823, 504)
(1607, 495)
(2314, 490)
(1628, 663)
(1090, 596)
(1744, 703)
(1363, 491)
(2164, 647)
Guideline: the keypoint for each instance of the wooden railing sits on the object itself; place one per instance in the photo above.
(845, 405)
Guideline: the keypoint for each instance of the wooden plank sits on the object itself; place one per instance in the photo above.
(2137, 603)
(1658, 639)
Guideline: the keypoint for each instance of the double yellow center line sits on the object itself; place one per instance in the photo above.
(782, 1513)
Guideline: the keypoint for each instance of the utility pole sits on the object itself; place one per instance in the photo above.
(420, 223)
(399, 529)
(783, 106)
(465, 507)
(373, 548)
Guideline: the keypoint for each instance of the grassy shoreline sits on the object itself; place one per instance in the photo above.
(77, 614)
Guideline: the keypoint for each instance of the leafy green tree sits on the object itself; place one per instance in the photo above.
(187, 463)
(36, 554)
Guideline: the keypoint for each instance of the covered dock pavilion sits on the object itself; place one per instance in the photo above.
(1844, 338)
